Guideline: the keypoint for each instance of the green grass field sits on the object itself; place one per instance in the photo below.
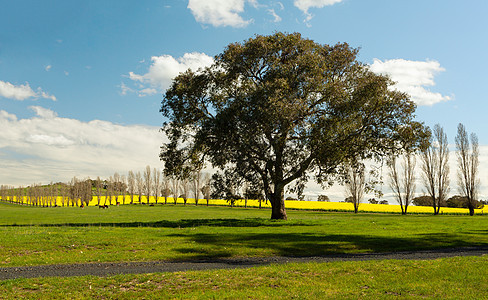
(35, 236)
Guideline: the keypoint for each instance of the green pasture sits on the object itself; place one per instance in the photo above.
(36, 236)
(57, 235)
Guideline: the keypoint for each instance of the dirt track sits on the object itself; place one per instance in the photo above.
(105, 269)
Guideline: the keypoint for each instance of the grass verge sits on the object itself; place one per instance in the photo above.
(449, 278)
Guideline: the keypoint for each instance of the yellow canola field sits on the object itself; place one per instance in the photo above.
(289, 204)
(366, 207)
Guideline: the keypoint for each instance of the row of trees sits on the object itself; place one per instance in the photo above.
(434, 162)
(75, 192)
(138, 187)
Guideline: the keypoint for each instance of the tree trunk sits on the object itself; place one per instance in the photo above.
(471, 208)
(278, 211)
(434, 205)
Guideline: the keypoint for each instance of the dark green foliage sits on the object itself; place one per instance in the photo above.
(373, 201)
(462, 202)
(225, 186)
(323, 198)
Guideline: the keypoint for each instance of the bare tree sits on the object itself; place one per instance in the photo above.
(175, 187)
(184, 189)
(147, 183)
(207, 187)
(131, 185)
(110, 189)
(355, 184)
(435, 168)
(19, 197)
(107, 192)
(116, 186)
(98, 189)
(468, 166)
(52, 194)
(156, 183)
(65, 194)
(86, 192)
(196, 180)
(245, 188)
(123, 187)
(402, 185)
(139, 186)
(73, 192)
(165, 188)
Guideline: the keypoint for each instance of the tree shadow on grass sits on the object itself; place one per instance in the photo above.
(184, 223)
(308, 244)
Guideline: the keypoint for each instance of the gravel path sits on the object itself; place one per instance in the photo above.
(105, 269)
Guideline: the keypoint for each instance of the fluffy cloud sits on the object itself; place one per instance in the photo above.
(22, 92)
(220, 12)
(48, 148)
(305, 5)
(164, 68)
(412, 77)
(276, 17)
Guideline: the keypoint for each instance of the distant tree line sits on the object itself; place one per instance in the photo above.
(74, 193)
(455, 201)
(135, 188)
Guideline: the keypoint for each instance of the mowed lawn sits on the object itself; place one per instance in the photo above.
(35, 236)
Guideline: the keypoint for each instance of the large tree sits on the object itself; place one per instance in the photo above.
(282, 107)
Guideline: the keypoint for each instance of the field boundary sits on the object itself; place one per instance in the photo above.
(109, 269)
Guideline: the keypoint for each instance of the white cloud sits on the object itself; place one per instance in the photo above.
(43, 112)
(305, 5)
(412, 77)
(42, 94)
(220, 12)
(124, 89)
(58, 140)
(164, 68)
(17, 92)
(147, 92)
(48, 148)
(22, 92)
(277, 18)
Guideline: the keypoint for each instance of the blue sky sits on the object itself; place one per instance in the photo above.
(81, 81)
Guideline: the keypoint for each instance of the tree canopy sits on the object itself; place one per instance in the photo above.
(282, 108)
